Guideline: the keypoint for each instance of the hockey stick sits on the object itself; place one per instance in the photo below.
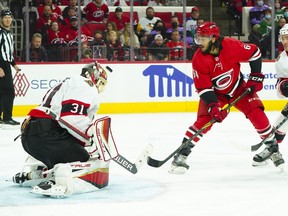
(158, 163)
(257, 146)
(119, 159)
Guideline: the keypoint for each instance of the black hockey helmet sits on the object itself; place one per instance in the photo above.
(6, 12)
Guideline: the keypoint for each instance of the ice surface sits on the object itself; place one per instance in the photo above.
(220, 181)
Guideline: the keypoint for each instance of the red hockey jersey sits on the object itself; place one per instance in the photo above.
(222, 73)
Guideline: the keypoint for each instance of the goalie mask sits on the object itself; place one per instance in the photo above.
(96, 73)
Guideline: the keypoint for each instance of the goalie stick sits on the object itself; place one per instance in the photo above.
(119, 159)
(158, 163)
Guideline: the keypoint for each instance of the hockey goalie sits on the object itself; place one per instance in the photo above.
(61, 162)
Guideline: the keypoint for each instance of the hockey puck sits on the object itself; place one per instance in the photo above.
(109, 69)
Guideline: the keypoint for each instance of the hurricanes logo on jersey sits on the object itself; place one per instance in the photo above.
(223, 81)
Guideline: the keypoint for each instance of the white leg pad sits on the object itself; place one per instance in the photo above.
(63, 176)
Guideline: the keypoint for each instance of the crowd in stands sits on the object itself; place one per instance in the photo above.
(260, 17)
(105, 34)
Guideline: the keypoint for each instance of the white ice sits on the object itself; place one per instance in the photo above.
(220, 181)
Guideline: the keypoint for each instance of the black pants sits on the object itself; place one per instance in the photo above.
(46, 141)
(7, 93)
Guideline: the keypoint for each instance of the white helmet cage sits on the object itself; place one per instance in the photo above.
(283, 31)
(97, 74)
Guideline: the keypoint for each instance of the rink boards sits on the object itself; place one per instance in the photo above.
(132, 87)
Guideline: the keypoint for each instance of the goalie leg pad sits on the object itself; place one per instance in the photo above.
(61, 187)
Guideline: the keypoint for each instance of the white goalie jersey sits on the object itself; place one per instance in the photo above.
(75, 100)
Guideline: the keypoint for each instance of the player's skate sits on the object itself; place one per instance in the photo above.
(179, 165)
(277, 159)
(49, 188)
(261, 158)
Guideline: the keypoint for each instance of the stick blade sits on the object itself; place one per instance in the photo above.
(154, 163)
(256, 147)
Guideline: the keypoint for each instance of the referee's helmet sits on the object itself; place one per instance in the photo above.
(6, 12)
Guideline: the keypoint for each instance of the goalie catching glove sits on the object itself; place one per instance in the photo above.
(255, 82)
(216, 112)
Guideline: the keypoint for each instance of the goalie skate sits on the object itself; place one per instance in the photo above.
(49, 188)
(179, 165)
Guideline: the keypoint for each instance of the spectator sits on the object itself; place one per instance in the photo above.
(191, 23)
(264, 31)
(119, 19)
(71, 12)
(37, 52)
(128, 42)
(146, 23)
(71, 34)
(279, 46)
(110, 26)
(54, 8)
(96, 11)
(158, 51)
(56, 43)
(98, 45)
(97, 39)
(72, 5)
(175, 46)
(116, 3)
(279, 13)
(158, 28)
(86, 52)
(256, 13)
(114, 47)
(153, 3)
(175, 25)
(44, 22)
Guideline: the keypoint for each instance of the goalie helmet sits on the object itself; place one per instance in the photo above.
(6, 12)
(96, 73)
(207, 29)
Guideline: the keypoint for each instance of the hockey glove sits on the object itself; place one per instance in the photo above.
(216, 112)
(283, 86)
(255, 82)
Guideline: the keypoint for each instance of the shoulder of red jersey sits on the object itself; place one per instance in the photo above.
(245, 51)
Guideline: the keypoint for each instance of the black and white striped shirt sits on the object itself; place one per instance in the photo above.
(6, 46)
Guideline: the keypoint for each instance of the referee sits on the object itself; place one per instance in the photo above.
(7, 92)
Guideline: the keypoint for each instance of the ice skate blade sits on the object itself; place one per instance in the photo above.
(260, 164)
(177, 170)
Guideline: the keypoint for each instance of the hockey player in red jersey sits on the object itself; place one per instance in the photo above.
(218, 81)
(73, 162)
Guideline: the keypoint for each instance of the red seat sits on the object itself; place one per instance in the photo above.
(92, 27)
(135, 15)
(135, 3)
(164, 16)
(180, 16)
